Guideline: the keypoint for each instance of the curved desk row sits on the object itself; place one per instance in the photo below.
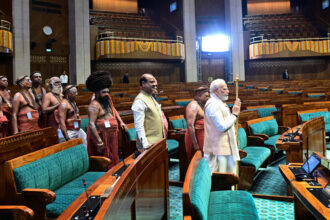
(306, 205)
(310, 138)
(141, 192)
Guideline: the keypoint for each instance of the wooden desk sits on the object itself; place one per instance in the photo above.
(141, 191)
(305, 204)
(294, 150)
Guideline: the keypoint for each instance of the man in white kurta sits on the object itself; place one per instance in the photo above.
(220, 145)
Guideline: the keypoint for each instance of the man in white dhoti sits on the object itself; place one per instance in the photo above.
(220, 145)
(69, 115)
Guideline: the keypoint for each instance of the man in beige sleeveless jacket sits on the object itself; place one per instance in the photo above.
(148, 119)
(220, 146)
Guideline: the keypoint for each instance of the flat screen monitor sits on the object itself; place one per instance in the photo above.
(173, 7)
(325, 4)
(313, 162)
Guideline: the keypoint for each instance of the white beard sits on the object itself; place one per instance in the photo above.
(57, 89)
(224, 97)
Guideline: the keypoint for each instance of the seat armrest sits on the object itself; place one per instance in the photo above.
(255, 141)
(37, 199)
(223, 181)
(282, 129)
(98, 163)
(177, 135)
(16, 212)
(263, 136)
(45, 196)
(242, 153)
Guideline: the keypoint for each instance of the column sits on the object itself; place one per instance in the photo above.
(189, 28)
(79, 38)
(234, 25)
(21, 38)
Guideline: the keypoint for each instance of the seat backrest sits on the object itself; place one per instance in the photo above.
(266, 125)
(242, 138)
(182, 102)
(178, 122)
(263, 111)
(131, 133)
(84, 124)
(197, 187)
(53, 171)
(35, 170)
(310, 114)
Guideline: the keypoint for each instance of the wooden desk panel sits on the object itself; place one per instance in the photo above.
(307, 206)
(294, 151)
(141, 192)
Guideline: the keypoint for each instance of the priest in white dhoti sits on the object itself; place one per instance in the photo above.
(220, 144)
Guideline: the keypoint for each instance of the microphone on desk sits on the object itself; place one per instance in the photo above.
(306, 156)
(88, 204)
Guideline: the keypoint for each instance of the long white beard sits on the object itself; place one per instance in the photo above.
(57, 89)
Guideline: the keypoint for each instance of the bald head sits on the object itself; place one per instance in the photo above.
(148, 84)
(70, 92)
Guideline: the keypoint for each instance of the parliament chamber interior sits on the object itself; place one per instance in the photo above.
(105, 103)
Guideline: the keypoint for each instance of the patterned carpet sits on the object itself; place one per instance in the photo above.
(269, 182)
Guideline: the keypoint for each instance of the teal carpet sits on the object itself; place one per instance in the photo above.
(269, 182)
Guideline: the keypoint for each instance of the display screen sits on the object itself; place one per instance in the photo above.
(313, 162)
(325, 4)
(173, 7)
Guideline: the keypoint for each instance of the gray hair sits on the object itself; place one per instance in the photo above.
(216, 84)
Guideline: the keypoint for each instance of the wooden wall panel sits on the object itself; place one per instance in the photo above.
(55, 14)
(213, 66)
(255, 7)
(126, 6)
(165, 72)
(272, 69)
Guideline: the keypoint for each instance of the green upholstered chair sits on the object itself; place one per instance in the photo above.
(268, 129)
(295, 92)
(58, 169)
(172, 145)
(279, 91)
(263, 110)
(182, 102)
(263, 88)
(208, 196)
(177, 122)
(257, 155)
(307, 115)
(161, 98)
(315, 95)
(84, 124)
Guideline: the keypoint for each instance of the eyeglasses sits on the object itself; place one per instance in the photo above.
(105, 91)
